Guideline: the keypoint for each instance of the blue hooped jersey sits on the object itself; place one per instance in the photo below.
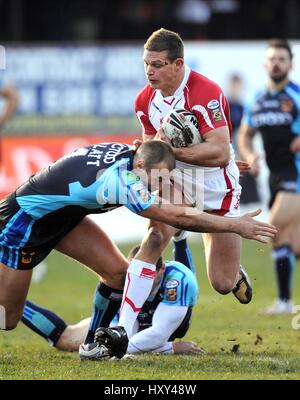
(90, 180)
(93, 179)
(178, 288)
(277, 116)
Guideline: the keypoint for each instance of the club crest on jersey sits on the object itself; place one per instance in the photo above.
(173, 283)
(217, 115)
(213, 104)
(171, 294)
(145, 196)
(286, 105)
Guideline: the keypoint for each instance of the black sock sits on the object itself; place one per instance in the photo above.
(284, 265)
(107, 302)
(44, 322)
(182, 253)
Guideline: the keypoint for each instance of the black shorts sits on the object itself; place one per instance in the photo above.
(25, 242)
(284, 181)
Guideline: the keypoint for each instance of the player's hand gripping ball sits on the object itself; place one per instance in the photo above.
(181, 127)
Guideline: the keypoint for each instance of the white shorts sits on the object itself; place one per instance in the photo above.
(215, 190)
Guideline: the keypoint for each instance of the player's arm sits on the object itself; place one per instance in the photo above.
(9, 93)
(141, 111)
(213, 152)
(166, 319)
(183, 347)
(136, 197)
(245, 144)
(295, 144)
(199, 221)
(213, 128)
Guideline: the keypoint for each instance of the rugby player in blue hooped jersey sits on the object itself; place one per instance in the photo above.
(165, 316)
(49, 211)
(275, 113)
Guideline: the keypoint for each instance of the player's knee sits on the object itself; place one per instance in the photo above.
(117, 269)
(158, 237)
(281, 222)
(284, 236)
(223, 289)
(119, 277)
(223, 286)
(115, 278)
(10, 323)
(10, 315)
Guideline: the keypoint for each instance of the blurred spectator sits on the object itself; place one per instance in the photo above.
(193, 17)
(194, 11)
(235, 99)
(274, 113)
(234, 96)
(31, 20)
(225, 6)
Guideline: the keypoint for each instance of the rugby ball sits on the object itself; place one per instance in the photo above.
(181, 127)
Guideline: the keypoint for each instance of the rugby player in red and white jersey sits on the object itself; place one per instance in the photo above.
(172, 84)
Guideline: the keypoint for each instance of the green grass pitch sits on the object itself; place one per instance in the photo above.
(267, 347)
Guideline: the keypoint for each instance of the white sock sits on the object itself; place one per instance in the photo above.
(139, 281)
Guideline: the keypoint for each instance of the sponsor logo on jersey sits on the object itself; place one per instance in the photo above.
(213, 104)
(270, 118)
(171, 294)
(131, 178)
(138, 186)
(217, 115)
(145, 196)
(173, 283)
(270, 103)
(114, 150)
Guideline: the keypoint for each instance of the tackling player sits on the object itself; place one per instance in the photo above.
(275, 113)
(49, 211)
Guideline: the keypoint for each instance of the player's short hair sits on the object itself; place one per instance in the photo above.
(280, 44)
(165, 40)
(134, 251)
(155, 152)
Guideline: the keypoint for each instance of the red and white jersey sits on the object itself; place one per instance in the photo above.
(206, 100)
(196, 93)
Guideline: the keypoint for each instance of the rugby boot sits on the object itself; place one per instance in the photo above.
(243, 290)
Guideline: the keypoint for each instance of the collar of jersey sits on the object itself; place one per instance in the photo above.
(180, 88)
(128, 155)
(275, 92)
